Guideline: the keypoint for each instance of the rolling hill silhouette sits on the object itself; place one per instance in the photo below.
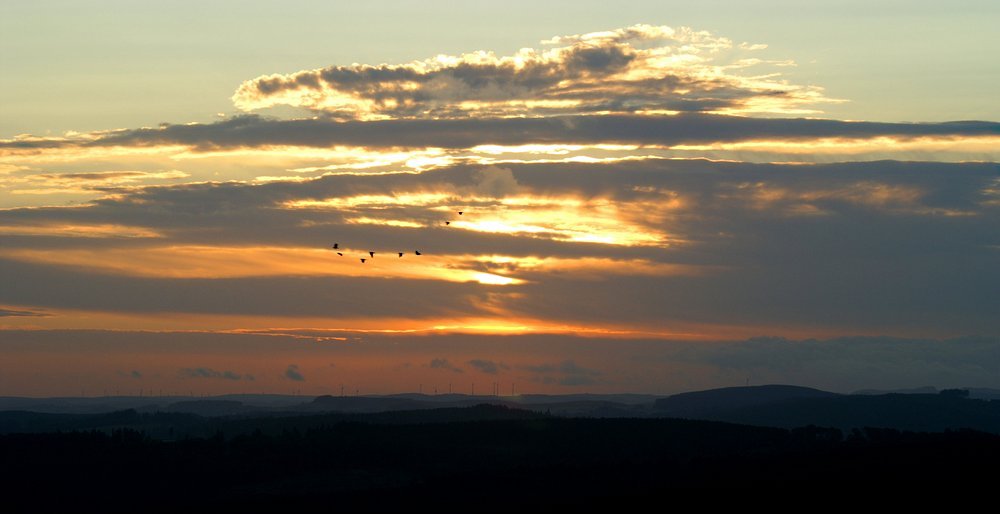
(791, 406)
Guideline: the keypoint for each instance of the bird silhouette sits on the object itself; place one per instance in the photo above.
(459, 213)
(417, 252)
(400, 254)
(447, 223)
(340, 254)
(372, 254)
(336, 246)
(363, 260)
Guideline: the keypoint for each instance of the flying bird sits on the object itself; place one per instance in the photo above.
(417, 252)
(340, 254)
(336, 246)
(372, 254)
(459, 213)
(363, 260)
(400, 254)
(447, 223)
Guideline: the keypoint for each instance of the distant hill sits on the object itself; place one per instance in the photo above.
(976, 393)
(715, 402)
(789, 407)
(103, 404)
(912, 390)
(211, 407)
(783, 406)
(329, 403)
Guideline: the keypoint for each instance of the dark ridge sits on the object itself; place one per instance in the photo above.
(461, 461)
(695, 404)
(789, 407)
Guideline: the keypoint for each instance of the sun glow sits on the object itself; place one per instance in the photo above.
(568, 219)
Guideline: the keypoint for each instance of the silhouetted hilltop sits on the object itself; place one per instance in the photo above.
(976, 393)
(770, 405)
(715, 401)
(362, 404)
(912, 390)
(789, 407)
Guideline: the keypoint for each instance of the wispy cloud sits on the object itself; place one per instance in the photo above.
(21, 313)
(488, 366)
(444, 364)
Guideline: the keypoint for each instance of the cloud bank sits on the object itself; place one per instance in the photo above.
(588, 201)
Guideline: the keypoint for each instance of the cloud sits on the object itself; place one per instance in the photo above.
(634, 69)
(21, 313)
(496, 182)
(654, 245)
(30, 182)
(211, 373)
(577, 214)
(443, 364)
(251, 131)
(567, 373)
(488, 366)
(107, 177)
(293, 373)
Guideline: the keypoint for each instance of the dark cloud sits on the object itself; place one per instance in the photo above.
(255, 131)
(293, 373)
(566, 373)
(488, 366)
(104, 177)
(443, 364)
(211, 373)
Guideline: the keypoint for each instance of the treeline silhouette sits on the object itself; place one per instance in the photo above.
(484, 458)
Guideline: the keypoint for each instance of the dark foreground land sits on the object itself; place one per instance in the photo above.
(472, 459)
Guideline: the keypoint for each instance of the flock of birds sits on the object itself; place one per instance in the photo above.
(371, 253)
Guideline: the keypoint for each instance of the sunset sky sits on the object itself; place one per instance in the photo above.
(655, 197)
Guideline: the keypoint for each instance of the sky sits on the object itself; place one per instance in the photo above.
(560, 198)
